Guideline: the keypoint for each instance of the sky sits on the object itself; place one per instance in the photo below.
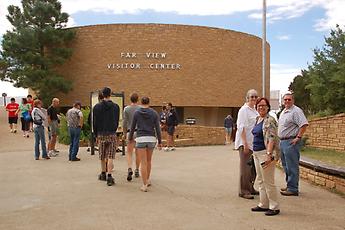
(294, 27)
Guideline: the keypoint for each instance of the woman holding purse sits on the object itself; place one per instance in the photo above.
(265, 142)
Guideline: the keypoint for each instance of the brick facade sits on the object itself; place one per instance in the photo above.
(208, 67)
(327, 132)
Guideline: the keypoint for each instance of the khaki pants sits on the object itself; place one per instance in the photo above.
(265, 180)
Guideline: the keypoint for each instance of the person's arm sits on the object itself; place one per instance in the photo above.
(124, 123)
(134, 124)
(300, 134)
(81, 119)
(94, 120)
(48, 115)
(242, 123)
(158, 131)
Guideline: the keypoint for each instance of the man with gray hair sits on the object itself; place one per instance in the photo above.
(291, 127)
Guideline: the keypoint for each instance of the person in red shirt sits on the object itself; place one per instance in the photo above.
(31, 102)
(11, 108)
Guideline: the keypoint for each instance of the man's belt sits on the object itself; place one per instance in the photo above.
(287, 138)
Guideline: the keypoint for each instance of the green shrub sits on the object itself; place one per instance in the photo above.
(85, 134)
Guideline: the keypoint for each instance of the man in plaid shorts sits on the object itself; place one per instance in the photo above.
(105, 122)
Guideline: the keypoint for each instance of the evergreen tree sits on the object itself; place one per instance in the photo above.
(37, 44)
(327, 74)
(301, 93)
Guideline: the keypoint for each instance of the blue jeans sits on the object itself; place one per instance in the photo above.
(40, 137)
(290, 156)
(74, 134)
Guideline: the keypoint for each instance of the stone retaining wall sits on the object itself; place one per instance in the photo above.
(192, 135)
(322, 179)
(327, 132)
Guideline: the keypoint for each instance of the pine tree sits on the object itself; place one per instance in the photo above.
(36, 45)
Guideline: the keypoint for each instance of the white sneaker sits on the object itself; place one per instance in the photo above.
(51, 153)
(172, 148)
(11, 130)
(166, 149)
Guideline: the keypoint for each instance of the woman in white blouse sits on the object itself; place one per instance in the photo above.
(244, 143)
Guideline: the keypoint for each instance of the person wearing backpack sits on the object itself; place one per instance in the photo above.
(39, 117)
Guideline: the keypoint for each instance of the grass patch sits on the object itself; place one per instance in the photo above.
(325, 155)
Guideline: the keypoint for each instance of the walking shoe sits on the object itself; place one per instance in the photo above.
(110, 181)
(27, 135)
(76, 159)
(11, 131)
(166, 149)
(56, 151)
(259, 209)
(283, 189)
(271, 212)
(288, 193)
(37, 158)
(255, 192)
(47, 158)
(136, 173)
(130, 173)
(172, 149)
(14, 131)
(246, 196)
(102, 177)
(51, 153)
(143, 188)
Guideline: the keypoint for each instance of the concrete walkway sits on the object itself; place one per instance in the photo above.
(193, 188)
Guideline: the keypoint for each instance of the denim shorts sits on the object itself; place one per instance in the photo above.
(150, 145)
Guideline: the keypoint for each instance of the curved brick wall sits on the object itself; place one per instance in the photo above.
(203, 66)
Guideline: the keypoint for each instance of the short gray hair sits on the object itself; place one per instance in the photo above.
(250, 93)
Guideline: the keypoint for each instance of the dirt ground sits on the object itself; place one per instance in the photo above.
(193, 188)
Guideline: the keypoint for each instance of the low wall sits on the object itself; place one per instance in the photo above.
(192, 135)
(322, 179)
(327, 132)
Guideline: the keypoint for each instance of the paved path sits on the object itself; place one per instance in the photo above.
(193, 188)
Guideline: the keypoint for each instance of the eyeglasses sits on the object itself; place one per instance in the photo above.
(262, 106)
(253, 96)
(287, 99)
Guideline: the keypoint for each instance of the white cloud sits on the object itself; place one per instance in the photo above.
(334, 15)
(282, 76)
(277, 9)
(283, 37)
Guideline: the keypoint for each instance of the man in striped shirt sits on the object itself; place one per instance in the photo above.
(291, 127)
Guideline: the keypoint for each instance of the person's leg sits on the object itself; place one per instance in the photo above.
(143, 160)
(283, 147)
(71, 135)
(258, 158)
(37, 143)
(149, 152)
(292, 162)
(76, 140)
(15, 120)
(137, 160)
(27, 128)
(245, 188)
(43, 142)
(22, 121)
(226, 136)
(270, 188)
(130, 147)
(53, 141)
(10, 122)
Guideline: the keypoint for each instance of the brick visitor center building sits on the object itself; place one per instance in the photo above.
(204, 71)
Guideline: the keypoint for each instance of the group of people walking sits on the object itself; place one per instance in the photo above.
(261, 141)
(141, 125)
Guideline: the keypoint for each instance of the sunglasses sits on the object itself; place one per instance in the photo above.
(287, 99)
(253, 96)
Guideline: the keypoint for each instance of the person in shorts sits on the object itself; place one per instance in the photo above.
(53, 127)
(228, 126)
(105, 123)
(128, 114)
(146, 123)
(11, 108)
